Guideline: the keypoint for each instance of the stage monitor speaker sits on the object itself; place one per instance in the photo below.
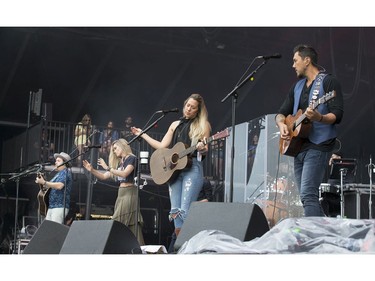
(243, 221)
(100, 237)
(48, 239)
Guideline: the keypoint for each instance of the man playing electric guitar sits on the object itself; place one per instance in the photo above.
(311, 160)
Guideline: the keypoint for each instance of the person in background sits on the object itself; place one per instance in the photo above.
(60, 187)
(47, 147)
(122, 168)
(311, 160)
(192, 130)
(127, 133)
(72, 214)
(106, 138)
(82, 133)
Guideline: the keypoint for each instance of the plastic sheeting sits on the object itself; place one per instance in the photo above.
(317, 235)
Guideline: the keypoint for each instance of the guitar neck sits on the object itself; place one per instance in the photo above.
(299, 121)
(313, 105)
(40, 175)
(191, 149)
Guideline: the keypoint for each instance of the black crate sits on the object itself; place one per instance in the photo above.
(356, 203)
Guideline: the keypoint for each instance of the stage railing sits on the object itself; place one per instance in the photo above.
(39, 143)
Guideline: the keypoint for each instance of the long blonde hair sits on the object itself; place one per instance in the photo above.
(86, 117)
(114, 161)
(200, 122)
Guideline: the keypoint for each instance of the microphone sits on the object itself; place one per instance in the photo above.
(44, 164)
(92, 146)
(274, 56)
(168, 110)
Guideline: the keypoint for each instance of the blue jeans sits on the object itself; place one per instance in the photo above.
(309, 169)
(184, 190)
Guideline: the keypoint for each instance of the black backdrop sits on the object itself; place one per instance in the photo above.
(111, 73)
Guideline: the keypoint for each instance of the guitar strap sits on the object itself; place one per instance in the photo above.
(320, 132)
(313, 93)
(316, 89)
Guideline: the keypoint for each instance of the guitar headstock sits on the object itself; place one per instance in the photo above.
(326, 97)
(220, 135)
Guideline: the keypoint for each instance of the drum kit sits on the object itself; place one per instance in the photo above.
(281, 200)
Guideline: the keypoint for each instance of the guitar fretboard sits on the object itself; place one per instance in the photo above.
(314, 104)
(191, 149)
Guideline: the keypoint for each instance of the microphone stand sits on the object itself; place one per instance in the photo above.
(234, 96)
(17, 177)
(90, 182)
(343, 172)
(89, 190)
(138, 137)
(88, 138)
(370, 170)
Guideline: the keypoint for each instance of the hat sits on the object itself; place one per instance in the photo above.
(62, 155)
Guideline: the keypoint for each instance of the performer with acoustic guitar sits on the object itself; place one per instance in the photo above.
(191, 130)
(55, 193)
(307, 122)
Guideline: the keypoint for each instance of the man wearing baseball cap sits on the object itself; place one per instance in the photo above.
(59, 188)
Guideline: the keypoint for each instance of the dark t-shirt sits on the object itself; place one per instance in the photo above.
(130, 160)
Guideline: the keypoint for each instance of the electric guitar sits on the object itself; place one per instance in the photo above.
(299, 127)
(43, 197)
(164, 162)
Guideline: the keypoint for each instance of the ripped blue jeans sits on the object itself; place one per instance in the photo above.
(184, 190)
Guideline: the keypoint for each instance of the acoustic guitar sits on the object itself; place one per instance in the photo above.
(43, 197)
(299, 127)
(164, 162)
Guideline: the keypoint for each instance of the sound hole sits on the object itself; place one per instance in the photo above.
(174, 158)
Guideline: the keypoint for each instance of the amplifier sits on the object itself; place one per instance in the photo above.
(356, 203)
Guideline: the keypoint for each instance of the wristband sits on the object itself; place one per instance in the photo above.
(108, 169)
